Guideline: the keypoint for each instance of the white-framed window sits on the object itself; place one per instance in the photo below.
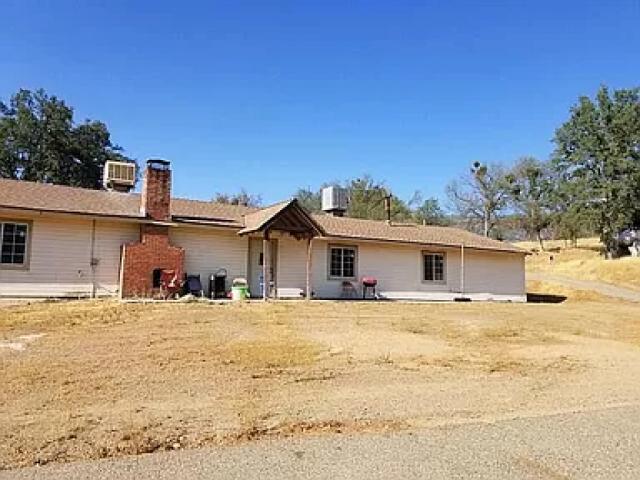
(14, 244)
(342, 261)
(433, 267)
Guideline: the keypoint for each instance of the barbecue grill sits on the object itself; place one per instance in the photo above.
(369, 283)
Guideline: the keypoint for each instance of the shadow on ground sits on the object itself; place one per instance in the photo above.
(545, 298)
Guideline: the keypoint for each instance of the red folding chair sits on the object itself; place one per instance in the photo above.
(170, 284)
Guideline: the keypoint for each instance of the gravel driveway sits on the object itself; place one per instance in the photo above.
(600, 444)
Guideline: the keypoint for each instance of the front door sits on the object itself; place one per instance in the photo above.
(256, 258)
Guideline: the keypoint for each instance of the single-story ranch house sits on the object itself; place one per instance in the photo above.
(60, 241)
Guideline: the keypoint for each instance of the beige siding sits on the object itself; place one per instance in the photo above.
(60, 262)
(398, 269)
(492, 272)
(207, 250)
(109, 238)
(292, 263)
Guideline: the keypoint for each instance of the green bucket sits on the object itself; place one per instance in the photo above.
(239, 293)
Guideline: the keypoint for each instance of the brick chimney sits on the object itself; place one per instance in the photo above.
(143, 261)
(155, 202)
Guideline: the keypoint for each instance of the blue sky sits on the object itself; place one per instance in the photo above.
(273, 95)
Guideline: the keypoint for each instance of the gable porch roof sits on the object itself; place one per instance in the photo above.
(286, 216)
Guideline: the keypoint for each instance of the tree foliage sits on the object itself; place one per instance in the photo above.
(427, 210)
(310, 199)
(241, 198)
(570, 218)
(531, 190)
(39, 141)
(366, 200)
(480, 196)
(597, 158)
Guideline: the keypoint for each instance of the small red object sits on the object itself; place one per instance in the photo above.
(170, 284)
(369, 281)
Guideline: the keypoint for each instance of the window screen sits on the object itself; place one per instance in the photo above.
(14, 243)
(342, 263)
(434, 267)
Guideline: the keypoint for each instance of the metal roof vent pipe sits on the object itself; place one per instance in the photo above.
(335, 201)
(387, 207)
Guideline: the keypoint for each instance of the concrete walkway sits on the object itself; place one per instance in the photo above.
(592, 285)
(599, 444)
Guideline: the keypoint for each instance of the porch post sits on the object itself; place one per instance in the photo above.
(462, 268)
(309, 264)
(266, 254)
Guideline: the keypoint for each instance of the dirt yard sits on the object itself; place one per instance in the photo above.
(85, 380)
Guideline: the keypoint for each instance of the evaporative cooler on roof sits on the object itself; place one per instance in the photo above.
(334, 200)
(119, 176)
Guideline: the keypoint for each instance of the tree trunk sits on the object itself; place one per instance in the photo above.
(540, 240)
(486, 223)
(574, 240)
(610, 245)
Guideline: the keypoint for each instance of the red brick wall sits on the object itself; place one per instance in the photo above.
(156, 194)
(141, 259)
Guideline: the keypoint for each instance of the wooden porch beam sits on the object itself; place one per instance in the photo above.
(309, 266)
(266, 254)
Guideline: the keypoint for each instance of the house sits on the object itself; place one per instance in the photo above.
(60, 241)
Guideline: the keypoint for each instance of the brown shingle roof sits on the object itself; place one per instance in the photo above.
(256, 220)
(57, 198)
(357, 228)
(289, 216)
(198, 209)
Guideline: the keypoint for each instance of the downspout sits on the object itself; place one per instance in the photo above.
(123, 253)
(93, 261)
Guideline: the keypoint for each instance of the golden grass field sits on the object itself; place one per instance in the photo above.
(108, 379)
(584, 262)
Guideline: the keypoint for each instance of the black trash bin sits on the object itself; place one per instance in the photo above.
(218, 284)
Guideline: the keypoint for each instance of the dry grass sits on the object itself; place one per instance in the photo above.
(592, 243)
(584, 262)
(265, 354)
(110, 379)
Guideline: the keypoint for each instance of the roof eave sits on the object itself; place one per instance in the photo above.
(330, 237)
(73, 212)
